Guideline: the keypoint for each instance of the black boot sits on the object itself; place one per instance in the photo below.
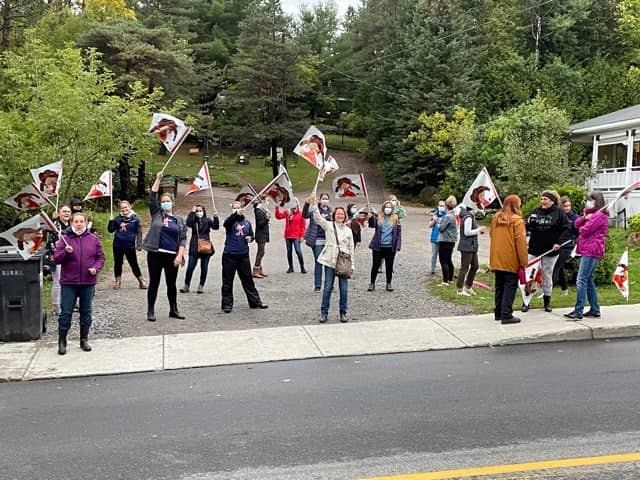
(84, 336)
(175, 313)
(62, 342)
(151, 316)
(547, 303)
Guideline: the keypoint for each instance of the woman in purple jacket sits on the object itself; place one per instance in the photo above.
(592, 228)
(80, 256)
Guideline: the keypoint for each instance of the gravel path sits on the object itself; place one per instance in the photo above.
(290, 297)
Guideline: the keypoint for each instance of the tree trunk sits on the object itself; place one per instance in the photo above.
(125, 178)
(274, 156)
(141, 190)
(6, 24)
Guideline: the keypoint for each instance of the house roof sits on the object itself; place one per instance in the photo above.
(583, 132)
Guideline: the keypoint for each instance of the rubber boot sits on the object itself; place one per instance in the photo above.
(256, 272)
(175, 313)
(117, 283)
(141, 284)
(62, 342)
(262, 272)
(84, 336)
(547, 303)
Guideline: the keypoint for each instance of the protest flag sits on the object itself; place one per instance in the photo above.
(47, 178)
(621, 275)
(29, 198)
(482, 192)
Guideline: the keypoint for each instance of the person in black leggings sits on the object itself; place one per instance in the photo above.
(447, 236)
(386, 241)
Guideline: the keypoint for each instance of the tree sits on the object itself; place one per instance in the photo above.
(263, 100)
(15, 17)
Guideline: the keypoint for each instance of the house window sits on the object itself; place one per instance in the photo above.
(636, 154)
(615, 155)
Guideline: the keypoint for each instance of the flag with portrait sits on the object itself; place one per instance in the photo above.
(47, 178)
(171, 130)
(530, 280)
(482, 192)
(29, 198)
(103, 187)
(312, 147)
(348, 186)
(28, 236)
(201, 181)
(621, 275)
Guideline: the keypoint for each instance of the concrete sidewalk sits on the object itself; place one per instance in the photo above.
(39, 360)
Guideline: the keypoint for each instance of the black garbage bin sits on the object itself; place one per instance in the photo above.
(21, 315)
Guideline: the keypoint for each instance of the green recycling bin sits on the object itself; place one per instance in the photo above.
(21, 315)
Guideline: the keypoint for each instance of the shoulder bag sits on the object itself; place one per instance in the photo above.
(344, 267)
(205, 247)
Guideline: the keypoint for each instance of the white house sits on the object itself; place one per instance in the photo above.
(615, 138)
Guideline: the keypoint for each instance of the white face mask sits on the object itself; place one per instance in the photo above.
(354, 211)
(199, 214)
(388, 210)
(590, 204)
(324, 202)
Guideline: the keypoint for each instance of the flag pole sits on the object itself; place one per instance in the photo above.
(168, 161)
(206, 162)
(111, 192)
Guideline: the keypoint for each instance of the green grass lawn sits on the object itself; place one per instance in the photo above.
(345, 142)
(607, 294)
(226, 171)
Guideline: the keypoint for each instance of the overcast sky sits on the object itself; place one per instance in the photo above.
(292, 7)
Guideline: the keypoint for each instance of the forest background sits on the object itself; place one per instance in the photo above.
(437, 88)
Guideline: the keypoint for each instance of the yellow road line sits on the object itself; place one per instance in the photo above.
(516, 467)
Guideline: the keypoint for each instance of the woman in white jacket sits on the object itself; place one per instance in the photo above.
(339, 238)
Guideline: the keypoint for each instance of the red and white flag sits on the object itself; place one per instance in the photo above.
(47, 178)
(329, 166)
(482, 192)
(349, 186)
(202, 180)
(246, 195)
(312, 147)
(280, 190)
(27, 236)
(171, 130)
(103, 187)
(621, 275)
(29, 198)
(531, 280)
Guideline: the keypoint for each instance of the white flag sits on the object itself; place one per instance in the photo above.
(29, 198)
(621, 275)
(531, 280)
(171, 130)
(279, 190)
(202, 180)
(329, 166)
(349, 186)
(103, 187)
(312, 147)
(482, 192)
(26, 237)
(48, 177)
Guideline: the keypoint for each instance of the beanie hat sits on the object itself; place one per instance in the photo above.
(551, 195)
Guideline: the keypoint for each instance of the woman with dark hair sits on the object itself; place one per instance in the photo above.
(338, 238)
(592, 228)
(386, 241)
(80, 257)
(201, 226)
(294, 229)
(62, 220)
(165, 243)
(127, 238)
(262, 216)
(507, 254)
(565, 250)
(352, 221)
(315, 236)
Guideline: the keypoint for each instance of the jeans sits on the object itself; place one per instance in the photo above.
(294, 243)
(506, 285)
(317, 270)
(68, 296)
(585, 285)
(343, 286)
(191, 266)
(435, 248)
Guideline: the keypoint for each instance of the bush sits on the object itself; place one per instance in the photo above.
(576, 194)
(634, 223)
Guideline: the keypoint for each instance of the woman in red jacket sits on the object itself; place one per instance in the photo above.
(294, 228)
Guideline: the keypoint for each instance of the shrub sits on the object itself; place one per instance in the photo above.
(634, 223)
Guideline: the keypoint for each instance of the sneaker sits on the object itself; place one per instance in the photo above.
(316, 289)
(509, 321)
(470, 291)
(200, 289)
(591, 314)
(290, 270)
(573, 316)
(185, 289)
(443, 284)
(323, 318)
(464, 293)
(565, 293)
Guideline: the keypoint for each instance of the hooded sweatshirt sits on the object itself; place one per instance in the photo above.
(508, 250)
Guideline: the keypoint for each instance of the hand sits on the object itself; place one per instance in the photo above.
(214, 212)
(483, 230)
(68, 249)
(556, 246)
(93, 271)
(54, 215)
(110, 217)
(248, 238)
(193, 209)
(178, 260)
(312, 199)
(159, 175)
(588, 216)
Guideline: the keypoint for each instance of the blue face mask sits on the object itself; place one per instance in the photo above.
(166, 206)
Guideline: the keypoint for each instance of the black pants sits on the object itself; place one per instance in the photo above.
(388, 255)
(468, 269)
(157, 262)
(118, 260)
(260, 254)
(241, 264)
(506, 285)
(558, 269)
(446, 264)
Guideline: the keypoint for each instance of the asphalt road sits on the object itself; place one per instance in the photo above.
(338, 418)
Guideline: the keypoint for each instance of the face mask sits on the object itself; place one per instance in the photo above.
(441, 209)
(166, 206)
(236, 211)
(354, 211)
(79, 232)
(394, 202)
(388, 210)
(324, 202)
(590, 204)
(199, 214)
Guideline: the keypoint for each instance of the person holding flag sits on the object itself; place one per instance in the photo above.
(61, 220)
(507, 255)
(315, 236)
(294, 229)
(592, 227)
(549, 228)
(127, 238)
(201, 226)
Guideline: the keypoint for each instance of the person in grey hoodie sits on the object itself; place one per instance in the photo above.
(447, 236)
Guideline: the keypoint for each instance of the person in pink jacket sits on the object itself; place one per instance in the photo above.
(592, 228)
(80, 256)
(294, 228)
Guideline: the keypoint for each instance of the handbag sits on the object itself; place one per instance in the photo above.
(344, 267)
(205, 247)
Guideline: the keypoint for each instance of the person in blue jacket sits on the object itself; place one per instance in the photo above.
(235, 258)
(438, 213)
(126, 241)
